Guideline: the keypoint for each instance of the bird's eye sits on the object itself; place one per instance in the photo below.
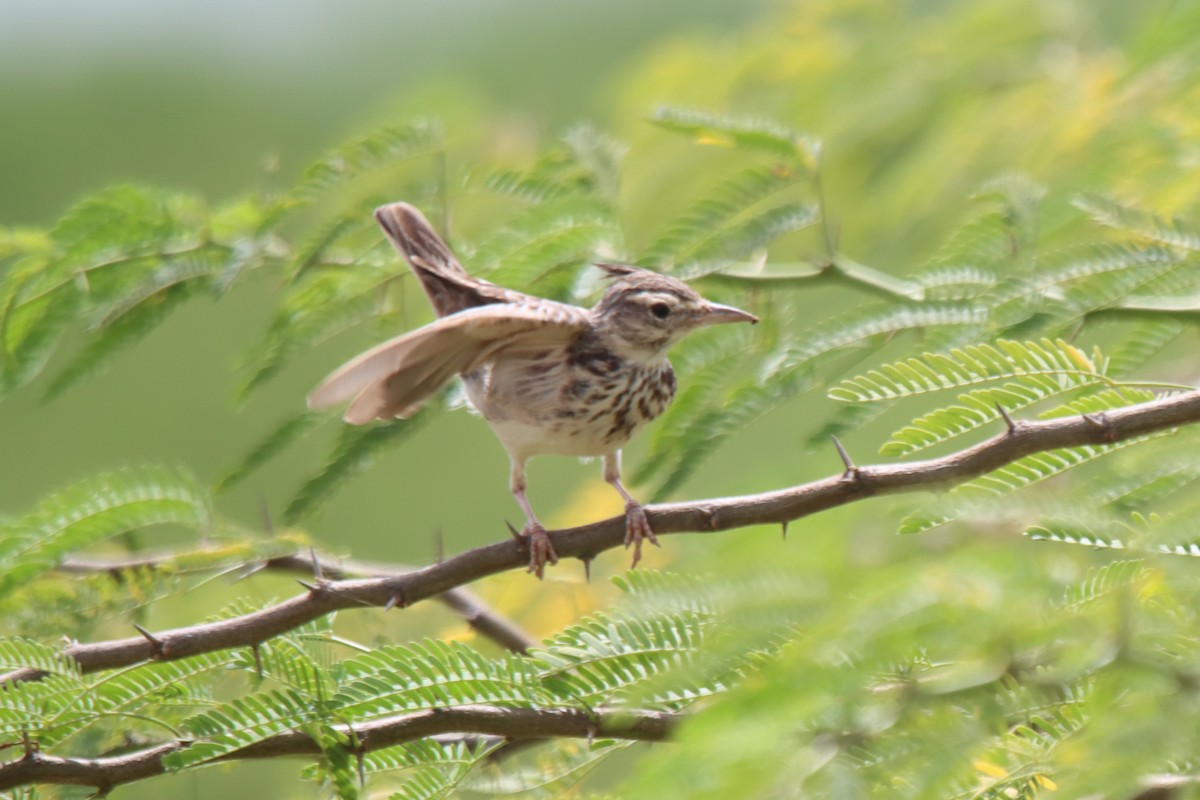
(660, 310)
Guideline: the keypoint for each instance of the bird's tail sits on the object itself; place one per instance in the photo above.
(449, 287)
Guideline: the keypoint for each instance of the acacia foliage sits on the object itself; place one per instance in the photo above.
(1037, 634)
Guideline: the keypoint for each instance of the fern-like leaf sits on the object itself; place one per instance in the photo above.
(139, 311)
(750, 134)
(975, 409)
(1138, 346)
(43, 709)
(369, 153)
(284, 434)
(94, 510)
(542, 251)
(603, 655)
(240, 723)
(1109, 212)
(355, 450)
(1104, 581)
(155, 683)
(315, 311)
(1019, 474)
(434, 674)
(20, 653)
(970, 366)
(547, 772)
(714, 211)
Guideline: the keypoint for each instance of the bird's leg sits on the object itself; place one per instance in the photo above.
(637, 527)
(541, 550)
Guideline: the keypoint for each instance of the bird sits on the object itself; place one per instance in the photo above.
(550, 378)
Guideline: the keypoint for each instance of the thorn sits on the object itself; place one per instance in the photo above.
(258, 668)
(362, 769)
(515, 533)
(251, 569)
(1100, 422)
(318, 573)
(591, 733)
(851, 472)
(439, 547)
(31, 747)
(587, 568)
(160, 649)
(397, 600)
(714, 519)
(312, 588)
(783, 526)
(264, 512)
(1012, 426)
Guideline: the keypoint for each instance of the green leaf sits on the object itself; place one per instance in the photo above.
(547, 771)
(970, 366)
(976, 409)
(585, 164)
(327, 304)
(751, 134)
(542, 251)
(1019, 474)
(347, 223)
(1104, 581)
(137, 313)
(20, 653)
(94, 510)
(1138, 346)
(37, 708)
(271, 445)
(1107, 211)
(594, 660)
(354, 452)
(955, 282)
(370, 153)
(716, 211)
(242, 722)
(435, 674)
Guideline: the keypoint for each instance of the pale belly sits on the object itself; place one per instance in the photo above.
(590, 411)
(524, 440)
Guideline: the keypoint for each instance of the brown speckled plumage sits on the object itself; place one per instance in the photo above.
(549, 378)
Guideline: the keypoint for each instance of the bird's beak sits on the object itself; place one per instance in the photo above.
(715, 314)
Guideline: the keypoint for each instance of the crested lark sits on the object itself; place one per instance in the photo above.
(548, 377)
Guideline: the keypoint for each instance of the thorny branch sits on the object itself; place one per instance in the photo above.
(510, 723)
(485, 621)
(331, 591)
(586, 541)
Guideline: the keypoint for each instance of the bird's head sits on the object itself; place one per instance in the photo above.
(645, 312)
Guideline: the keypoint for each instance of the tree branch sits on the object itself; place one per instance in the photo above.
(586, 541)
(509, 723)
(483, 619)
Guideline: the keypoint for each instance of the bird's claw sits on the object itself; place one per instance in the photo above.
(637, 530)
(541, 549)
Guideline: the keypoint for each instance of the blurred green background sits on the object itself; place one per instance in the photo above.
(917, 103)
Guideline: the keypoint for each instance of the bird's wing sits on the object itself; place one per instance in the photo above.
(396, 377)
(449, 288)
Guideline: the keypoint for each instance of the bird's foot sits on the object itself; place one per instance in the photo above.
(541, 549)
(637, 529)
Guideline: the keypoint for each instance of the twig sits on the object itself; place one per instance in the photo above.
(587, 540)
(509, 723)
(483, 619)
